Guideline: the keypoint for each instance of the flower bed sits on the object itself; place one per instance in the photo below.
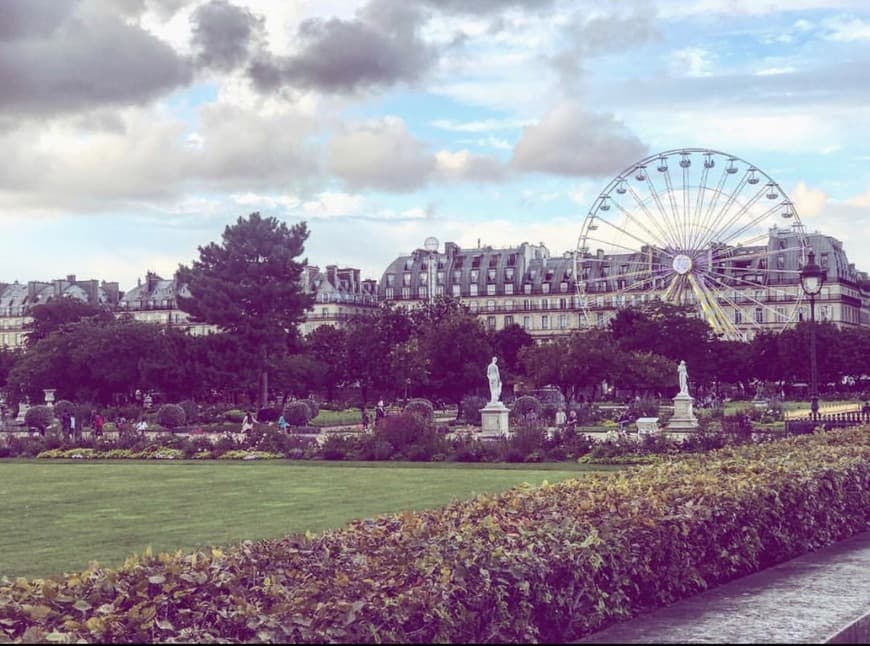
(551, 563)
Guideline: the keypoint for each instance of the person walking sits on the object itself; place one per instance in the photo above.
(365, 419)
(248, 423)
(98, 425)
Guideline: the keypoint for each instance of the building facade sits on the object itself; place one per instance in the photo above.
(757, 288)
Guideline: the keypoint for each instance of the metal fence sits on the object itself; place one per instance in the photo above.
(827, 421)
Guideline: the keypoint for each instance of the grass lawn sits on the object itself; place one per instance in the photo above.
(58, 516)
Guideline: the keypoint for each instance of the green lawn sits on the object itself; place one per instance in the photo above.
(57, 516)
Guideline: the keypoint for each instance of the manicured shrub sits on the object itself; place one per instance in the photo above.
(191, 411)
(527, 407)
(297, 413)
(234, 415)
(313, 407)
(170, 416)
(39, 417)
(549, 564)
(411, 435)
(471, 405)
(64, 406)
(422, 408)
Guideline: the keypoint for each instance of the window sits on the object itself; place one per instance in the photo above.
(509, 288)
(738, 316)
(563, 321)
(406, 279)
(439, 291)
(527, 288)
(563, 303)
(527, 322)
(780, 315)
(599, 319)
(439, 278)
(545, 322)
(490, 305)
(473, 306)
(509, 273)
(475, 275)
(759, 315)
(457, 276)
(490, 322)
(391, 280)
(545, 287)
(490, 275)
(563, 287)
(545, 303)
(406, 292)
(508, 320)
(457, 291)
(527, 304)
(490, 289)
(424, 278)
(472, 289)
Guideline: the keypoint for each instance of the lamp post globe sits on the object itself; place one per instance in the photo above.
(812, 278)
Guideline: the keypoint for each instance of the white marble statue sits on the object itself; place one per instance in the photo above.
(494, 378)
(684, 378)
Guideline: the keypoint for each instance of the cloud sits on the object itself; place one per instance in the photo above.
(380, 154)
(809, 202)
(569, 141)
(149, 159)
(847, 29)
(224, 34)
(587, 35)
(66, 59)
(379, 47)
(464, 166)
(690, 61)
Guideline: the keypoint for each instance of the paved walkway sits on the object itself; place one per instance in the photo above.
(809, 599)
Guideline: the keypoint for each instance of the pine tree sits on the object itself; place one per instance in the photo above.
(250, 287)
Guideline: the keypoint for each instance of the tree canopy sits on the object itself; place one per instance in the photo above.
(250, 287)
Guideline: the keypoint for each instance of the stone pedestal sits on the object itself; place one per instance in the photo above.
(22, 411)
(494, 419)
(684, 422)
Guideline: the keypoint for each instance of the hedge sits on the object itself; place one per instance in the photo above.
(551, 563)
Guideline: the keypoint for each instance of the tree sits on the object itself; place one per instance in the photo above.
(328, 346)
(250, 287)
(370, 340)
(456, 348)
(57, 312)
(506, 344)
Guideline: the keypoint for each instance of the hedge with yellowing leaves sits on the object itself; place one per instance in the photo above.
(550, 563)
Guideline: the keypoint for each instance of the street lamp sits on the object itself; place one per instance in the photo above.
(812, 277)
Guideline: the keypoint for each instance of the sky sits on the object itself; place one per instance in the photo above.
(134, 131)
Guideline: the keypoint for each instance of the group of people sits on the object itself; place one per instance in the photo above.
(380, 413)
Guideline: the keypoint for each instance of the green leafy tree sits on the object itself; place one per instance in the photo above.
(328, 346)
(58, 312)
(506, 345)
(250, 287)
(456, 347)
(370, 340)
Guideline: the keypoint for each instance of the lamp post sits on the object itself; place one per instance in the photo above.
(812, 277)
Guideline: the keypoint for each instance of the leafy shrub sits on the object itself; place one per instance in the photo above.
(171, 416)
(422, 408)
(312, 407)
(527, 407)
(234, 415)
(64, 406)
(39, 417)
(297, 413)
(548, 564)
(268, 414)
(471, 405)
(191, 411)
(411, 435)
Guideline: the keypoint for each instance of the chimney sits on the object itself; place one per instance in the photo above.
(112, 292)
(92, 290)
(151, 279)
(71, 279)
(332, 275)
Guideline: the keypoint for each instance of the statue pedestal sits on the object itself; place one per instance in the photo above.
(684, 422)
(494, 419)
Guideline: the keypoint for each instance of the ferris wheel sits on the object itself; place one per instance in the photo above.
(694, 226)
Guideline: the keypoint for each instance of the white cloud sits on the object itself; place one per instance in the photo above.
(808, 202)
(380, 154)
(690, 61)
(847, 30)
(463, 165)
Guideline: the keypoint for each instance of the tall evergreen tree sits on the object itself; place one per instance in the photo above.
(250, 287)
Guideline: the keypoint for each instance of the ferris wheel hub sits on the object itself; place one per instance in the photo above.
(682, 264)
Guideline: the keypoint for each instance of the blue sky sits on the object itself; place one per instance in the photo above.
(136, 130)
